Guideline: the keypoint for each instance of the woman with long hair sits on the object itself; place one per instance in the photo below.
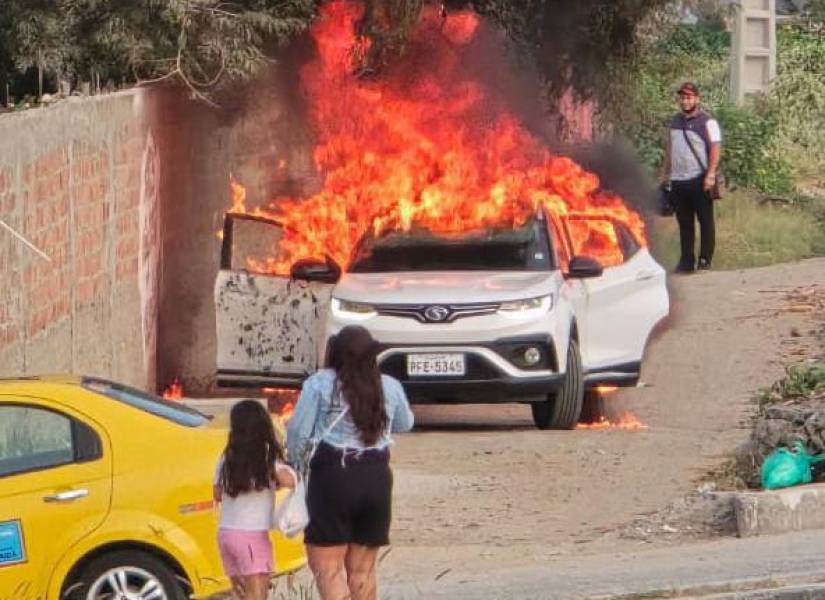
(349, 497)
(249, 471)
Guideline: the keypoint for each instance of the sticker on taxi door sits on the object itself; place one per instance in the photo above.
(12, 549)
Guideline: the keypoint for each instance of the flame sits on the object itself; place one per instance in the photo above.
(425, 147)
(281, 402)
(174, 391)
(627, 421)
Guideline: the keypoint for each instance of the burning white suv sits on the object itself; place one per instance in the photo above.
(492, 316)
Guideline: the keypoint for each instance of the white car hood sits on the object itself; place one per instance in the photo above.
(444, 287)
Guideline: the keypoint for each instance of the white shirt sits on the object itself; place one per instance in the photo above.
(250, 511)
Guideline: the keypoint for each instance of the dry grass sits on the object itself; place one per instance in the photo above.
(751, 232)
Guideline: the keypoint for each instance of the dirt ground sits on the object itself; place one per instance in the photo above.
(478, 488)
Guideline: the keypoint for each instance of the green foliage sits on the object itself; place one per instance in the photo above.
(571, 42)
(797, 96)
(815, 11)
(757, 137)
(750, 156)
(800, 382)
(708, 41)
(202, 43)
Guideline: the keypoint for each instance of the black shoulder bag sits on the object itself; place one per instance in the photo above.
(713, 193)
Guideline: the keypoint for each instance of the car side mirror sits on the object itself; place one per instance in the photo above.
(312, 269)
(585, 267)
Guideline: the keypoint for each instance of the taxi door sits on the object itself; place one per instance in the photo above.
(55, 489)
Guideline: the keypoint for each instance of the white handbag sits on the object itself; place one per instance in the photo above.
(291, 516)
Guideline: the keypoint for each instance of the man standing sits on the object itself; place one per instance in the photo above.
(694, 147)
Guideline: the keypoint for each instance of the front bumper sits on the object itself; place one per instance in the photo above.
(493, 373)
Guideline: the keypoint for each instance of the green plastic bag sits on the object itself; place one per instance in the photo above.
(784, 467)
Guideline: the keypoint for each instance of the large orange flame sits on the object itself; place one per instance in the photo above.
(425, 146)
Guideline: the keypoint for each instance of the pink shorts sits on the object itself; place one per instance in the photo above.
(245, 552)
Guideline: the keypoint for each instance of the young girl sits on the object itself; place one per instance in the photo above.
(250, 469)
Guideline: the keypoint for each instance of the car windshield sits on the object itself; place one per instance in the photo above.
(523, 249)
(172, 411)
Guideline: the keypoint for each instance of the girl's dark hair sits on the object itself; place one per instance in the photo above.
(352, 354)
(252, 449)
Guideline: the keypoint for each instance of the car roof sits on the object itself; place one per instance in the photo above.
(66, 378)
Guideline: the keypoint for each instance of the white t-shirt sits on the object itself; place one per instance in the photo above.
(250, 511)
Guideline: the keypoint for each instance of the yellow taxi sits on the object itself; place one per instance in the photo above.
(106, 492)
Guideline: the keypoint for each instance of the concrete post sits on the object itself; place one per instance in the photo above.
(753, 51)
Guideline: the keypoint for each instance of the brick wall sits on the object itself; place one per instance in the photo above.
(70, 184)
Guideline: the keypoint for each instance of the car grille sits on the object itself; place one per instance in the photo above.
(436, 313)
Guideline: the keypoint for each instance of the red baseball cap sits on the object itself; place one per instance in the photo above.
(688, 88)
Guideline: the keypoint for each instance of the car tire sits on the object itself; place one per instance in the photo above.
(593, 408)
(562, 409)
(135, 569)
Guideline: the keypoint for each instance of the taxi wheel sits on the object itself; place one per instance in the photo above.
(127, 574)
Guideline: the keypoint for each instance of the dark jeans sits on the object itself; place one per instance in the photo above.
(691, 202)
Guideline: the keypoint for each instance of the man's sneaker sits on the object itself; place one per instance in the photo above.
(704, 265)
(680, 268)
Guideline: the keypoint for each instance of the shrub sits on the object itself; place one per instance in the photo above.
(797, 96)
(750, 156)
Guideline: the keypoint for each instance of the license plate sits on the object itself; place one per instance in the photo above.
(435, 364)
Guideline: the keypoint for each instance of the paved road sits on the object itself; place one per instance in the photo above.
(707, 567)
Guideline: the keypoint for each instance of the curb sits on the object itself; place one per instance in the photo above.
(795, 508)
(802, 592)
(776, 588)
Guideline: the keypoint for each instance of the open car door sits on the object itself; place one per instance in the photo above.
(623, 305)
(268, 326)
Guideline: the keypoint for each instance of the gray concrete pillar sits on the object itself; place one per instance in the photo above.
(753, 48)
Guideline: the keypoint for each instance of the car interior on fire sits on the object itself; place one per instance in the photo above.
(524, 249)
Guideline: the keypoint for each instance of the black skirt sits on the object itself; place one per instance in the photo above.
(349, 498)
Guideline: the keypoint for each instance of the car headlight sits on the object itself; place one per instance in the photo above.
(346, 309)
(515, 307)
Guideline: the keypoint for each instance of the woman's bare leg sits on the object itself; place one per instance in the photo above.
(360, 563)
(255, 587)
(327, 565)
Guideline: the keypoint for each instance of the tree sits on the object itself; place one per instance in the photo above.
(571, 42)
(201, 43)
(31, 36)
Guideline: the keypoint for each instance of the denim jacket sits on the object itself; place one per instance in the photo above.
(317, 410)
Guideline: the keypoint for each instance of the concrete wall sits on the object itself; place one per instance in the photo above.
(72, 181)
(126, 193)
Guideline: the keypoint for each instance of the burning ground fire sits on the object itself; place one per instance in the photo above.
(424, 146)
(174, 391)
(281, 402)
(627, 421)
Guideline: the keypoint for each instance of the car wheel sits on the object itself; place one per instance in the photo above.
(593, 408)
(127, 574)
(562, 409)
